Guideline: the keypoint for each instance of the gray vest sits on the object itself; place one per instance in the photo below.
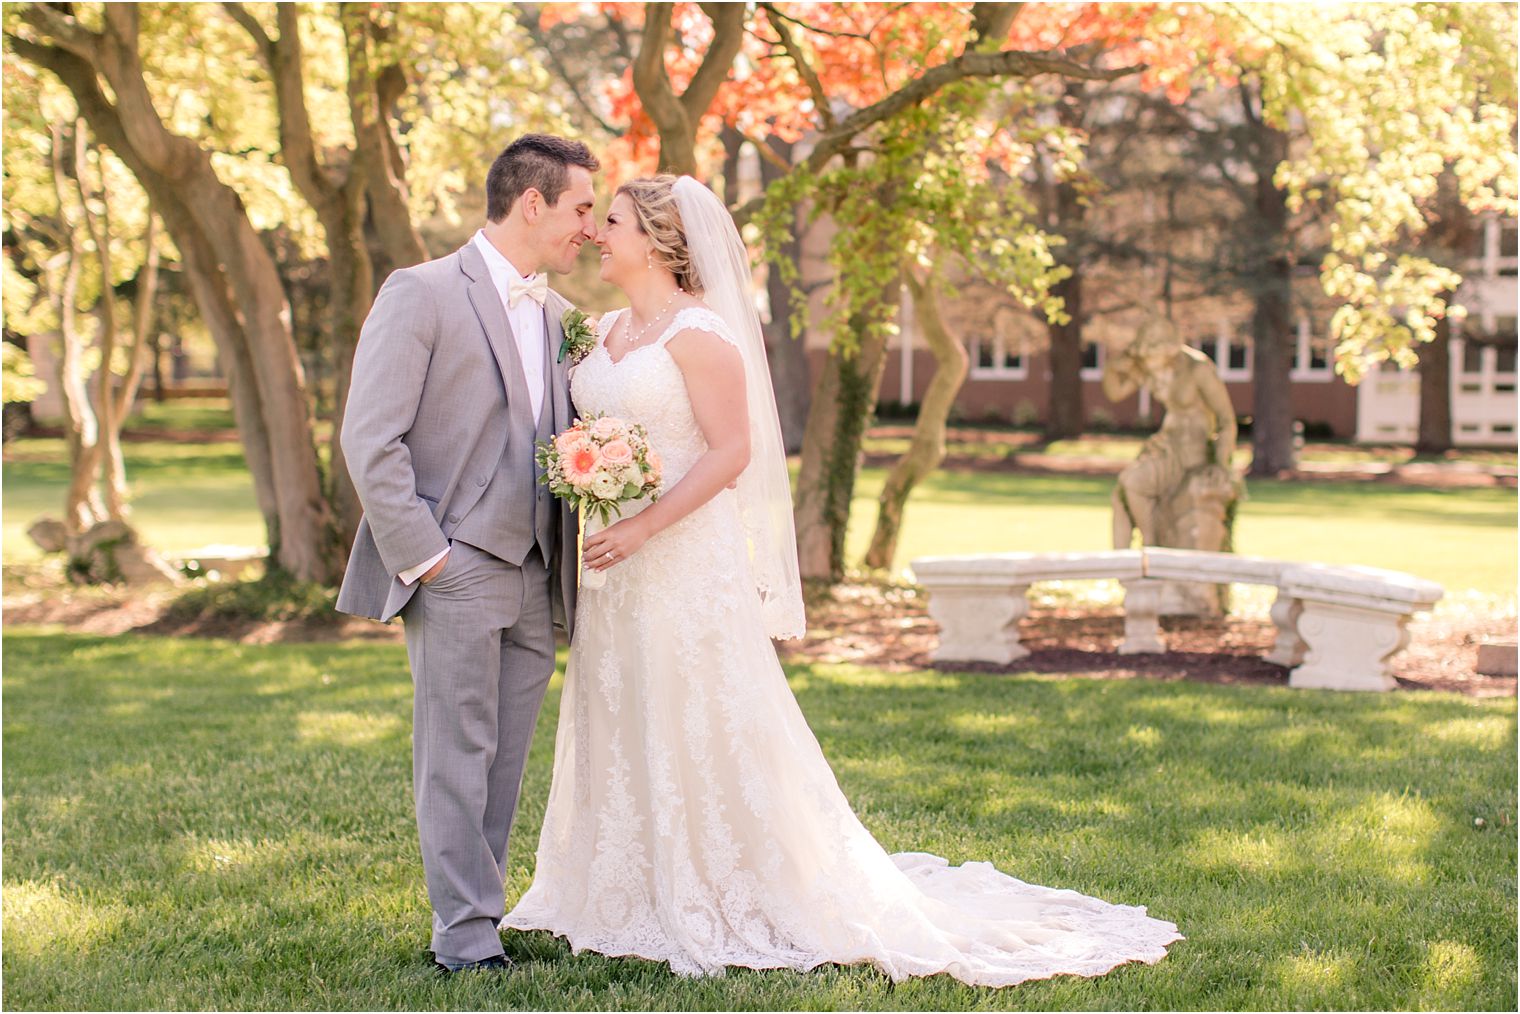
(504, 522)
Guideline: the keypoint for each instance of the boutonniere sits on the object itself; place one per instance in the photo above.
(580, 336)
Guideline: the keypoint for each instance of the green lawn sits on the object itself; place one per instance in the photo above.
(189, 496)
(185, 495)
(199, 824)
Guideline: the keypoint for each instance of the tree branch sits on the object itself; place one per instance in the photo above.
(284, 58)
(391, 82)
(620, 32)
(377, 157)
(250, 24)
(1008, 63)
(64, 30)
(831, 33)
(800, 61)
(649, 77)
(728, 36)
(562, 71)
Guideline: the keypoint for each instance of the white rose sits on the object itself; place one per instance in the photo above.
(606, 486)
(633, 473)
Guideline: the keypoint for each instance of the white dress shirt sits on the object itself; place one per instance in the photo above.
(527, 320)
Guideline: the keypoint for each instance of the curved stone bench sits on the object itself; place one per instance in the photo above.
(1337, 626)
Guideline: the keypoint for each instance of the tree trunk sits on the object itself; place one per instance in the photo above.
(1272, 450)
(213, 297)
(927, 448)
(733, 146)
(81, 502)
(362, 186)
(1065, 417)
(239, 289)
(156, 365)
(1454, 231)
(786, 354)
(98, 229)
(842, 407)
(142, 326)
(1435, 391)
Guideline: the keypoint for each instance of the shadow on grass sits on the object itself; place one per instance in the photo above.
(206, 824)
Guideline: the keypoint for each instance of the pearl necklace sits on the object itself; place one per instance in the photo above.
(643, 332)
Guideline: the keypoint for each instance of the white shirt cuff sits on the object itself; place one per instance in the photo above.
(411, 574)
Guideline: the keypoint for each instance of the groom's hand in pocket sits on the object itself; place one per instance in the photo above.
(435, 569)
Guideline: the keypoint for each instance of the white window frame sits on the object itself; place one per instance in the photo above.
(1096, 372)
(998, 371)
(1302, 370)
(1223, 344)
(1493, 264)
(1487, 378)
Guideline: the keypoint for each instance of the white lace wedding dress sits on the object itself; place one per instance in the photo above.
(693, 818)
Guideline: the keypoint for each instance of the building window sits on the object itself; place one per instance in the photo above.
(1505, 339)
(1499, 247)
(1231, 353)
(994, 359)
(1472, 357)
(1311, 354)
(1092, 361)
(1238, 359)
(1486, 361)
(1509, 233)
(1506, 361)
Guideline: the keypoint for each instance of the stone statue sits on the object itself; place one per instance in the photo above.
(1180, 490)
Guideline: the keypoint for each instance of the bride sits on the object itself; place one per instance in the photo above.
(693, 818)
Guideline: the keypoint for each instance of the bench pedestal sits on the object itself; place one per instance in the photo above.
(1142, 615)
(1353, 621)
(1349, 648)
(1288, 650)
(979, 623)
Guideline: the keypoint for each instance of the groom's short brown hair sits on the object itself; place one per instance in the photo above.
(533, 162)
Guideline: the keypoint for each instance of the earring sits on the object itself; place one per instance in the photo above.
(649, 259)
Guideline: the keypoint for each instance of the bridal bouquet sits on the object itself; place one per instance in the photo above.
(597, 465)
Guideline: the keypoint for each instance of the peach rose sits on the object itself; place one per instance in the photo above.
(568, 441)
(606, 428)
(617, 452)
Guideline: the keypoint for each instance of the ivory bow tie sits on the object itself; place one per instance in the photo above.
(535, 288)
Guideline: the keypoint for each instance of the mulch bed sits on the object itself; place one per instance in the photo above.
(890, 628)
(887, 627)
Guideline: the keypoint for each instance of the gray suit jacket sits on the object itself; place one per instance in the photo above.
(426, 413)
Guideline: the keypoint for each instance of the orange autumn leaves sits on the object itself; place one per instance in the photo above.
(863, 52)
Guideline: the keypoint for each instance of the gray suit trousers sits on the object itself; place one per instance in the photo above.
(481, 642)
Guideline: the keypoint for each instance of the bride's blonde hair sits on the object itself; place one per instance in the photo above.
(658, 217)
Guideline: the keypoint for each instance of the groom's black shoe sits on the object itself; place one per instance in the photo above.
(495, 963)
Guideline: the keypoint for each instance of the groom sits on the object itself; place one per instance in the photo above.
(455, 378)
